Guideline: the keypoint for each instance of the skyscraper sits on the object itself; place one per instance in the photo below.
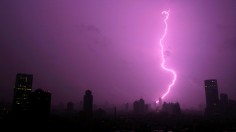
(22, 90)
(211, 90)
(139, 107)
(40, 102)
(88, 102)
(212, 99)
(224, 98)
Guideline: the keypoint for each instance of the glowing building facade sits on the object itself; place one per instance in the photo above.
(22, 91)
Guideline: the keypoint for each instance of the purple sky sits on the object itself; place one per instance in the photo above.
(112, 47)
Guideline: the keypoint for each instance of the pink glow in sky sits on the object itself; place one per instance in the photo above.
(112, 48)
(166, 13)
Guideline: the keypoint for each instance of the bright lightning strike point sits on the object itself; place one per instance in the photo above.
(166, 13)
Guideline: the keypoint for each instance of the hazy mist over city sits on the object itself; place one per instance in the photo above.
(112, 48)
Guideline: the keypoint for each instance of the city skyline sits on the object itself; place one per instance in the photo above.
(25, 100)
(112, 49)
(32, 108)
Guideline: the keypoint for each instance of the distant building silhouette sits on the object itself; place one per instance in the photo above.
(88, 102)
(22, 90)
(100, 113)
(139, 107)
(70, 107)
(171, 108)
(232, 107)
(223, 104)
(40, 104)
(4, 111)
(212, 99)
(224, 99)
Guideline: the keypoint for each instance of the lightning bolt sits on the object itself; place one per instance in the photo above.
(166, 13)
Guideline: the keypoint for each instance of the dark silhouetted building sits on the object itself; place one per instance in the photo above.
(70, 107)
(223, 104)
(22, 90)
(212, 99)
(171, 108)
(211, 90)
(100, 113)
(224, 99)
(232, 107)
(4, 111)
(139, 107)
(88, 102)
(40, 104)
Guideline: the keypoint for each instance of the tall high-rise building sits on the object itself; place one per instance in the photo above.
(139, 106)
(224, 99)
(40, 104)
(88, 102)
(22, 90)
(211, 90)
